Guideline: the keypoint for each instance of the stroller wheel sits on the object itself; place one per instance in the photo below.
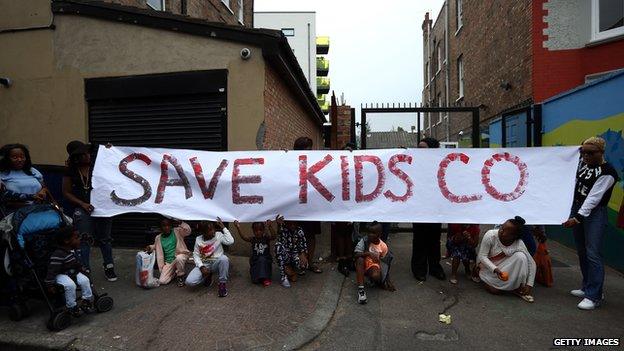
(59, 321)
(18, 312)
(104, 304)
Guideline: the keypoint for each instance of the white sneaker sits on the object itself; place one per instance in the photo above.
(588, 304)
(578, 293)
(361, 296)
(285, 283)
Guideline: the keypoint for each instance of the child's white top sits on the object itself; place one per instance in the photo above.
(210, 250)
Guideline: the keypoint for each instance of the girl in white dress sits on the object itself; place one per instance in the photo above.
(504, 261)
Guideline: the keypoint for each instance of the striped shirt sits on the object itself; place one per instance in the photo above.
(63, 261)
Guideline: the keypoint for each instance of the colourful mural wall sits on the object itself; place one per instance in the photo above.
(594, 109)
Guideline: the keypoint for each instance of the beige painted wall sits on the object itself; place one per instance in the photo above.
(45, 108)
(24, 13)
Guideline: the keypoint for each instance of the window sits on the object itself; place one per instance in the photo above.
(289, 32)
(227, 4)
(439, 51)
(460, 76)
(459, 8)
(156, 4)
(607, 19)
(241, 11)
(426, 73)
(440, 105)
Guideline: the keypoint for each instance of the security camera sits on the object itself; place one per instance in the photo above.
(5, 81)
(245, 54)
(461, 132)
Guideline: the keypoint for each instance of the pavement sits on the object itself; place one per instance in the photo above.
(320, 312)
(408, 318)
(167, 318)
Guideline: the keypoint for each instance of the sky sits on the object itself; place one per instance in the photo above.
(375, 51)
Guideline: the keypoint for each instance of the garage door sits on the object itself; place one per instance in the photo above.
(185, 110)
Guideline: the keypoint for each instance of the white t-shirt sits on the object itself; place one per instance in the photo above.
(210, 250)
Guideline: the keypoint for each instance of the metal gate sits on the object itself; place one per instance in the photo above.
(475, 132)
(517, 127)
(186, 110)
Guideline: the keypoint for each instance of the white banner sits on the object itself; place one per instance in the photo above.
(483, 186)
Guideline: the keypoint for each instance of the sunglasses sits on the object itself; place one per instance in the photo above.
(588, 153)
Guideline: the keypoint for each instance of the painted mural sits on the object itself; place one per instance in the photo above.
(593, 109)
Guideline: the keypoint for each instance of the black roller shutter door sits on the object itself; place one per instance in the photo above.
(179, 110)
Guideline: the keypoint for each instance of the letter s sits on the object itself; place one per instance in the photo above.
(147, 189)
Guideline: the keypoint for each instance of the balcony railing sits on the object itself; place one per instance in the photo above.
(322, 67)
(324, 107)
(322, 45)
(322, 85)
(321, 99)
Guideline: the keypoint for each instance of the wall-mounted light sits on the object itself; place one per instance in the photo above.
(6, 81)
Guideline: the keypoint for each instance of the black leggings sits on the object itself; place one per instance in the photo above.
(426, 248)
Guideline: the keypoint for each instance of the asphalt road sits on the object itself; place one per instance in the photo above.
(408, 318)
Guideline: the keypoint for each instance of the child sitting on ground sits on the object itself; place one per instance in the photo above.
(373, 259)
(543, 272)
(462, 240)
(209, 257)
(65, 269)
(171, 250)
(291, 250)
(260, 262)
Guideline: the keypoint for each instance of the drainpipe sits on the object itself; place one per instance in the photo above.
(447, 69)
(309, 58)
(430, 71)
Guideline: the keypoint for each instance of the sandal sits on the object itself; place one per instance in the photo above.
(527, 298)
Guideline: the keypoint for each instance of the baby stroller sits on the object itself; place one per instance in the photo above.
(27, 241)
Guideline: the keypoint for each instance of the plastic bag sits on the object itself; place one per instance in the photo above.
(145, 270)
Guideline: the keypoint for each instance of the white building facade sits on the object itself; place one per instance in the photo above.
(300, 29)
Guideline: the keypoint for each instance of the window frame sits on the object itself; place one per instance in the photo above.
(241, 11)
(162, 5)
(439, 55)
(596, 34)
(286, 35)
(440, 114)
(228, 5)
(459, 9)
(460, 76)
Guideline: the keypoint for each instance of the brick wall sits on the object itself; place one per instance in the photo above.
(556, 71)
(495, 44)
(340, 126)
(435, 91)
(343, 126)
(285, 119)
(210, 10)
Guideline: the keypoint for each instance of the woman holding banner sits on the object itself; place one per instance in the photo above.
(77, 190)
(426, 240)
(595, 180)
